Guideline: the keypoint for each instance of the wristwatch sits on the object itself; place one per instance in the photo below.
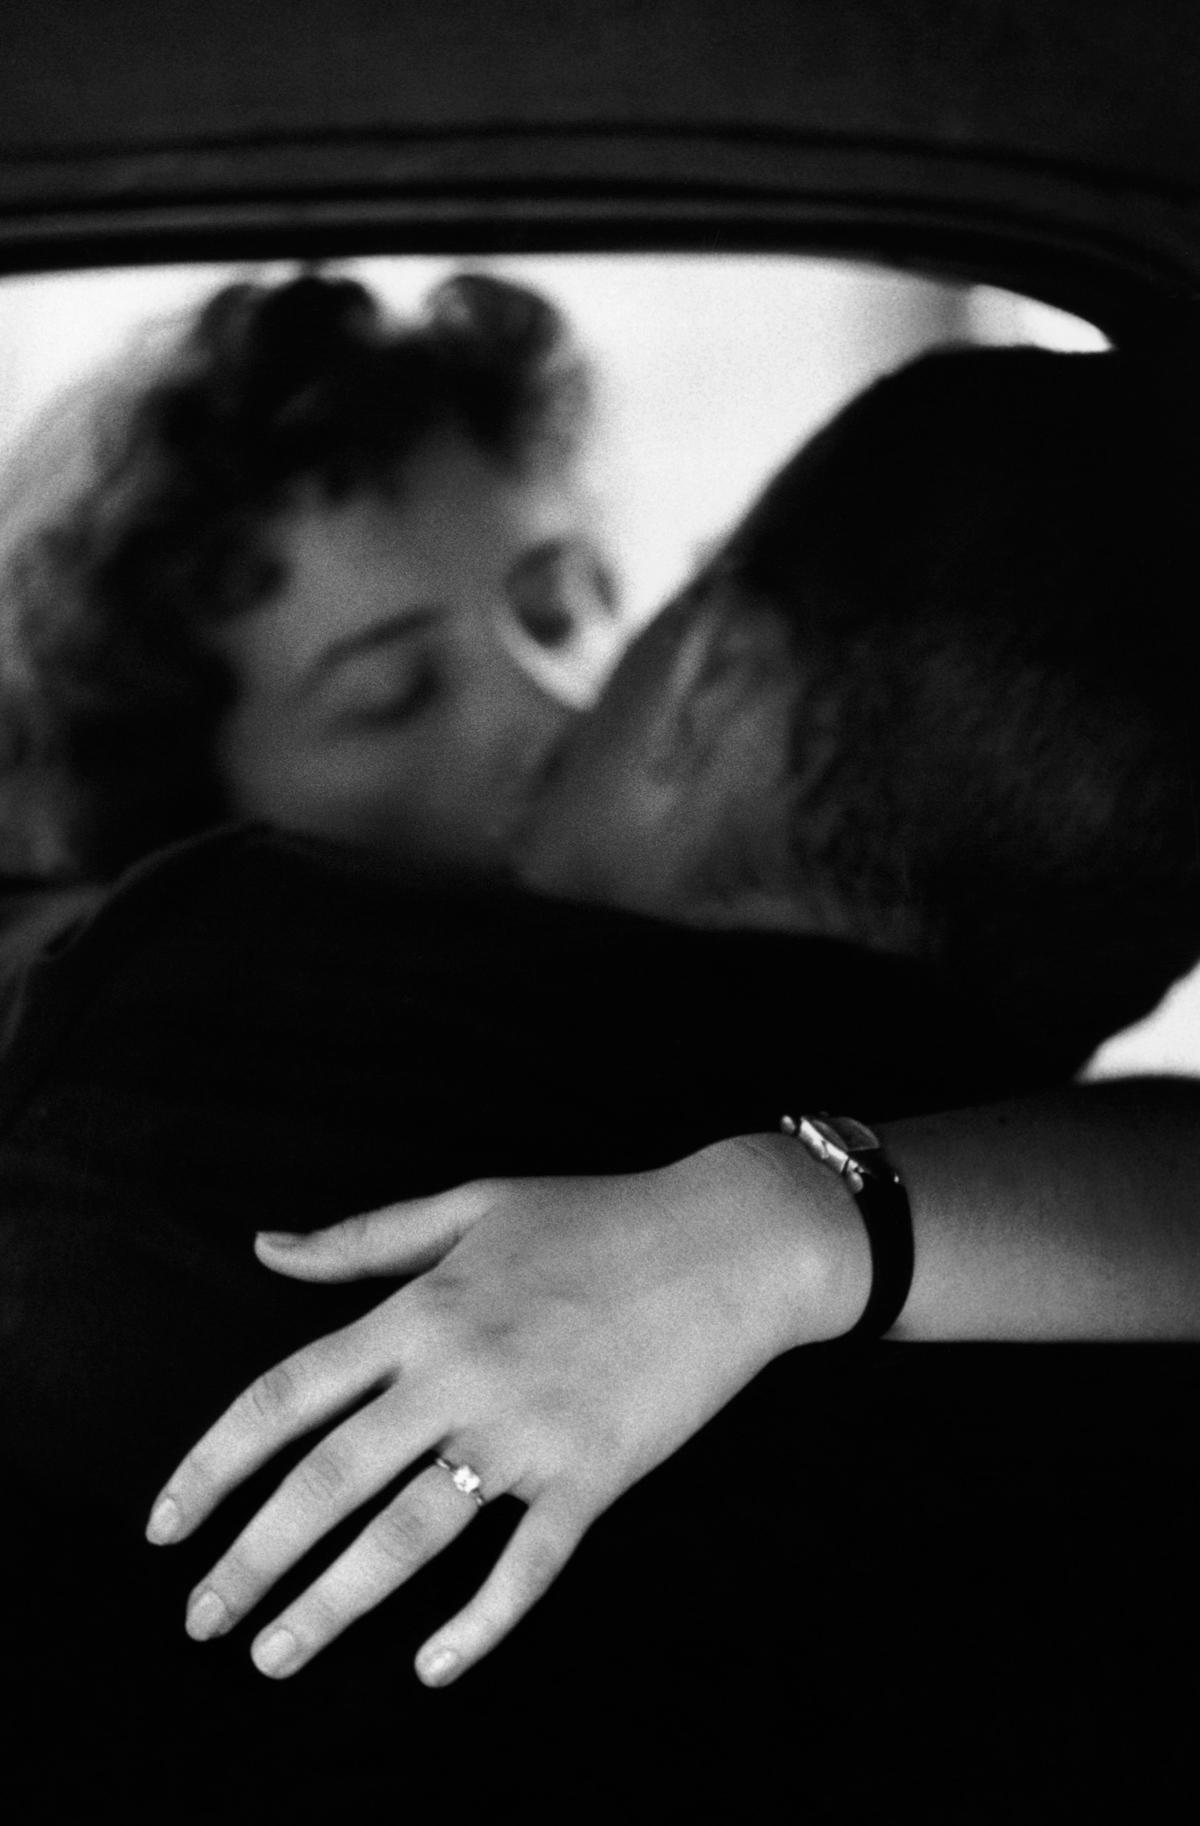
(855, 1153)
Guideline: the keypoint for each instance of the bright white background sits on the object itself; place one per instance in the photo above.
(710, 370)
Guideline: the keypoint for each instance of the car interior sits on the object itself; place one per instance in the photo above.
(747, 210)
(739, 253)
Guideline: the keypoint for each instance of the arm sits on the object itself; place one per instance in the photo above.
(563, 1337)
(1067, 1216)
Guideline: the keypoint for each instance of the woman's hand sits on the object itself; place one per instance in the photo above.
(562, 1338)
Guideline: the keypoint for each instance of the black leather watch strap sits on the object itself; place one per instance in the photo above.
(853, 1152)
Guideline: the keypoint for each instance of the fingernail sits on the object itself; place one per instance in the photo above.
(165, 1521)
(437, 1668)
(275, 1653)
(207, 1617)
(281, 1239)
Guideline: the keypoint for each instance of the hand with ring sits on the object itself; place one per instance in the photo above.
(560, 1339)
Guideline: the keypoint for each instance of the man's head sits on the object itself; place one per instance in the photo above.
(936, 695)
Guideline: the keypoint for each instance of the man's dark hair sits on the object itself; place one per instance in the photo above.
(987, 569)
(110, 691)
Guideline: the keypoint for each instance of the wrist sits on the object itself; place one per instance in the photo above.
(816, 1256)
(854, 1154)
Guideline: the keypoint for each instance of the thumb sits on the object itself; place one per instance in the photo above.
(405, 1238)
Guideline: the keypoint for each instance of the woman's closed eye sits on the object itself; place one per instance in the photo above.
(382, 696)
(385, 676)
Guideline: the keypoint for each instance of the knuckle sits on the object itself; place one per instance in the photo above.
(354, 1233)
(325, 1476)
(273, 1397)
(401, 1537)
(479, 1196)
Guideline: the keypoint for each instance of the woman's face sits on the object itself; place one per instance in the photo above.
(404, 687)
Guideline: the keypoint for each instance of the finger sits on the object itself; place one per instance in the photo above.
(340, 1473)
(423, 1519)
(399, 1239)
(290, 1399)
(539, 1549)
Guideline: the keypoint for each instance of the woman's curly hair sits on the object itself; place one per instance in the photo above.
(110, 689)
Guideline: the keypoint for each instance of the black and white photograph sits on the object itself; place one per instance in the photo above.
(600, 911)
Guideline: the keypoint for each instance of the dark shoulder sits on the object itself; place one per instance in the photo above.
(35, 916)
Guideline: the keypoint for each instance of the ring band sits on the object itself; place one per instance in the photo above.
(464, 1479)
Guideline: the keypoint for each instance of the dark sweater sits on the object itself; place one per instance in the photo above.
(257, 1032)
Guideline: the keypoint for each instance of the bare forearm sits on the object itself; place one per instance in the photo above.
(1069, 1215)
(1073, 1215)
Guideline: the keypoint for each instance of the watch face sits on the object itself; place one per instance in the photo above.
(835, 1141)
(852, 1135)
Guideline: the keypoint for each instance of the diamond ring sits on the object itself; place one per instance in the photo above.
(464, 1479)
